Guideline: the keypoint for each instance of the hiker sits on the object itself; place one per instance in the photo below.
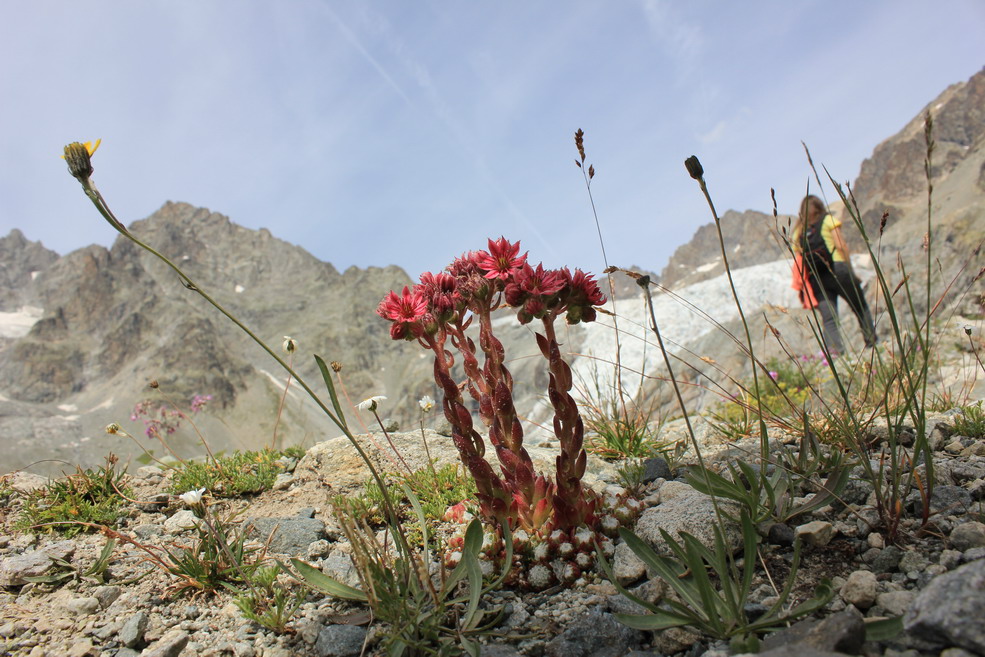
(822, 272)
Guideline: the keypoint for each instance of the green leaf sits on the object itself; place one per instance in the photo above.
(711, 607)
(661, 619)
(470, 557)
(883, 629)
(415, 503)
(835, 483)
(318, 580)
(326, 375)
(668, 569)
(750, 539)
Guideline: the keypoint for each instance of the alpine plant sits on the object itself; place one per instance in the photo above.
(436, 313)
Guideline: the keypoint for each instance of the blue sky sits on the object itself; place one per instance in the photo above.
(393, 132)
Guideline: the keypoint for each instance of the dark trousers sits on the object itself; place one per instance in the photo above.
(830, 285)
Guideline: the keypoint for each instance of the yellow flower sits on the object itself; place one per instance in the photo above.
(78, 158)
(90, 148)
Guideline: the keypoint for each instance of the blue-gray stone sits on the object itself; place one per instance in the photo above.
(950, 610)
(595, 634)
(340, 641)
(290, 535)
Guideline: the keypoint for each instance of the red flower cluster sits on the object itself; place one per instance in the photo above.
(472, 278)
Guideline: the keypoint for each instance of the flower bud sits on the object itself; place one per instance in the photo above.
(694, 168)
(78, 157)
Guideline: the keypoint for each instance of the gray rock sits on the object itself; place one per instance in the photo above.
(494, 650)
(80, 648)
(318, 549)
(651, 591)
(181, 521)
(339, 565)
(860, 589)
(147, 530)
(794, 651)
(950, 559)
(626, 566)
(655, 468)
(781, 534)
(340, 641)
(132, 632)
(973, 554)
(283, 481)
(817, 533)
(169, 645)
(895, 603)
(82, 606)
(60, 551)
(674, 640)
(843, 632)
(26, 482)
(887, 560)
(912, 561)
(106, 595)
(968, 535)
(945, 499)
(14, 570)
(290, 535)
(595, 634)
(243, 650)
(154, 504)
(956, 652)
(942, 613)
(683, 509)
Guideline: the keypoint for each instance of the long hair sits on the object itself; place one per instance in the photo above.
(808, 201)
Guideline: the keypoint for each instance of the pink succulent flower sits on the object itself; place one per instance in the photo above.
(502, 259)
(409, 306)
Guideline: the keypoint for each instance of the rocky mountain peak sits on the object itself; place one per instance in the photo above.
(21, 260)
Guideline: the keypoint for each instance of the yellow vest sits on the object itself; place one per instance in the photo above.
(828, 225)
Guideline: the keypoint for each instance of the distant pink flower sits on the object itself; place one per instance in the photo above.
(502, 259)
(774, 375)
(199, 402)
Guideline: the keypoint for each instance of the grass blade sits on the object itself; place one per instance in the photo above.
(326, 375)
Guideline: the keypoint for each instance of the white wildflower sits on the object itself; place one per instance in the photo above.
(290, 344)
(370, 404)
(192, 497)
(426, 404)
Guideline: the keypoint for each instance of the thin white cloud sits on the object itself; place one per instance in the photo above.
(680, 38)
(715, 134)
